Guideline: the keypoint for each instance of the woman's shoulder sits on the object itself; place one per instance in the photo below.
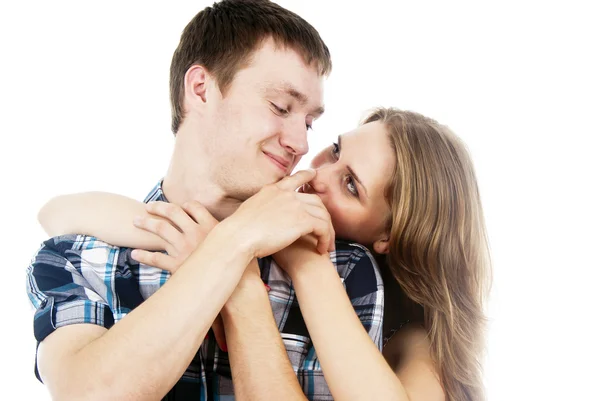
(410, 338)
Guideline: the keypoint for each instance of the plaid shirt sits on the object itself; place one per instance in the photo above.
(79, 279)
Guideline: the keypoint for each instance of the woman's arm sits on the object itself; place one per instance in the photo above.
(103, 215)
(352, 364)
(408, 354)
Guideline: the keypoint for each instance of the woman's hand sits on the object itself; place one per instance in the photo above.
(181, 229)
(300, 256)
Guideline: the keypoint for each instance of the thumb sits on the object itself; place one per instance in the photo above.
(294, 181)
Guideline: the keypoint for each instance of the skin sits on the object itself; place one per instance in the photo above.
(252, 337)
(228, 147)
(253, 136)
(199, 173)
(352, 175)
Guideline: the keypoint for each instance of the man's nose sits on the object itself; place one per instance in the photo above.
(294, 138)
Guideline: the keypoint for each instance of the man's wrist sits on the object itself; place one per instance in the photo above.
(232, 239)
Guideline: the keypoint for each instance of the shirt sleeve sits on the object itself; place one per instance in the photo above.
(77, 279)
(67, 284)
(364, 285)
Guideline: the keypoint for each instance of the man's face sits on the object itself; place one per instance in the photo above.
(259, 129)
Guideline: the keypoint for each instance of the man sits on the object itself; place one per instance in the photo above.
(246, 84)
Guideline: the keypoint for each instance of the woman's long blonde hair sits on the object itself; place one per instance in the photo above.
(438, 246)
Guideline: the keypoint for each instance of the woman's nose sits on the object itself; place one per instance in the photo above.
(320, 182)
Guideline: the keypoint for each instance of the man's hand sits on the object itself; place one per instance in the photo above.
(278, 215)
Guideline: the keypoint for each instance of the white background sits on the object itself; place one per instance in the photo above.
(84, 106)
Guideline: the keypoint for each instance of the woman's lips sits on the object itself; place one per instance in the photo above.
(306, 188)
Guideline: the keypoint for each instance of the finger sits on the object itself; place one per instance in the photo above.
(173, 214)
(321, 230)
(325, 233)
(294, 181)
(160, 227)
(324, 241)
(315, 200)
(310, 199)
(324, 244)
(318, 212)
(154, 259)
(332, 240)
(199, 214)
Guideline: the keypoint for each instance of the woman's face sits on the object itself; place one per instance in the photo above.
(352, 176)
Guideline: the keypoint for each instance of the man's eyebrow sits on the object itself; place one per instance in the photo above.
(292, 91)
(295, 93)
(352, 173)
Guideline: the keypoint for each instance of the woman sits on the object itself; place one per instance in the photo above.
(404, 186)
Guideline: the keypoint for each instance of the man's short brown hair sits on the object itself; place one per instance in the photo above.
(223, 37)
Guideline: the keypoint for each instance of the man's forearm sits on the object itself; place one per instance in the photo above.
(260, 367)
(143, 355)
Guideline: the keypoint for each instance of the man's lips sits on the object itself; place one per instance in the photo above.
(280, 162)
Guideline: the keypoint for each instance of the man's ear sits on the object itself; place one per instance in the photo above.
(382, 246)
(197, 82)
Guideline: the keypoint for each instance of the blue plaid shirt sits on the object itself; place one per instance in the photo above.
(77, 279)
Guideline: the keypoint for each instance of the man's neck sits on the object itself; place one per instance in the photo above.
(187, 180)
(177, 189)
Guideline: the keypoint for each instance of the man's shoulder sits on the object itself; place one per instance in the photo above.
(348, 255)
(357, 267)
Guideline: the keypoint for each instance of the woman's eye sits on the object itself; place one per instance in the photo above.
(351, 186)
(335, 151)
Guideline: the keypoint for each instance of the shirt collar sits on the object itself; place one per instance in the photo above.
(156, 194)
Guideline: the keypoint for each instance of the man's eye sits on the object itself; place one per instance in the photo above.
(279, 110)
